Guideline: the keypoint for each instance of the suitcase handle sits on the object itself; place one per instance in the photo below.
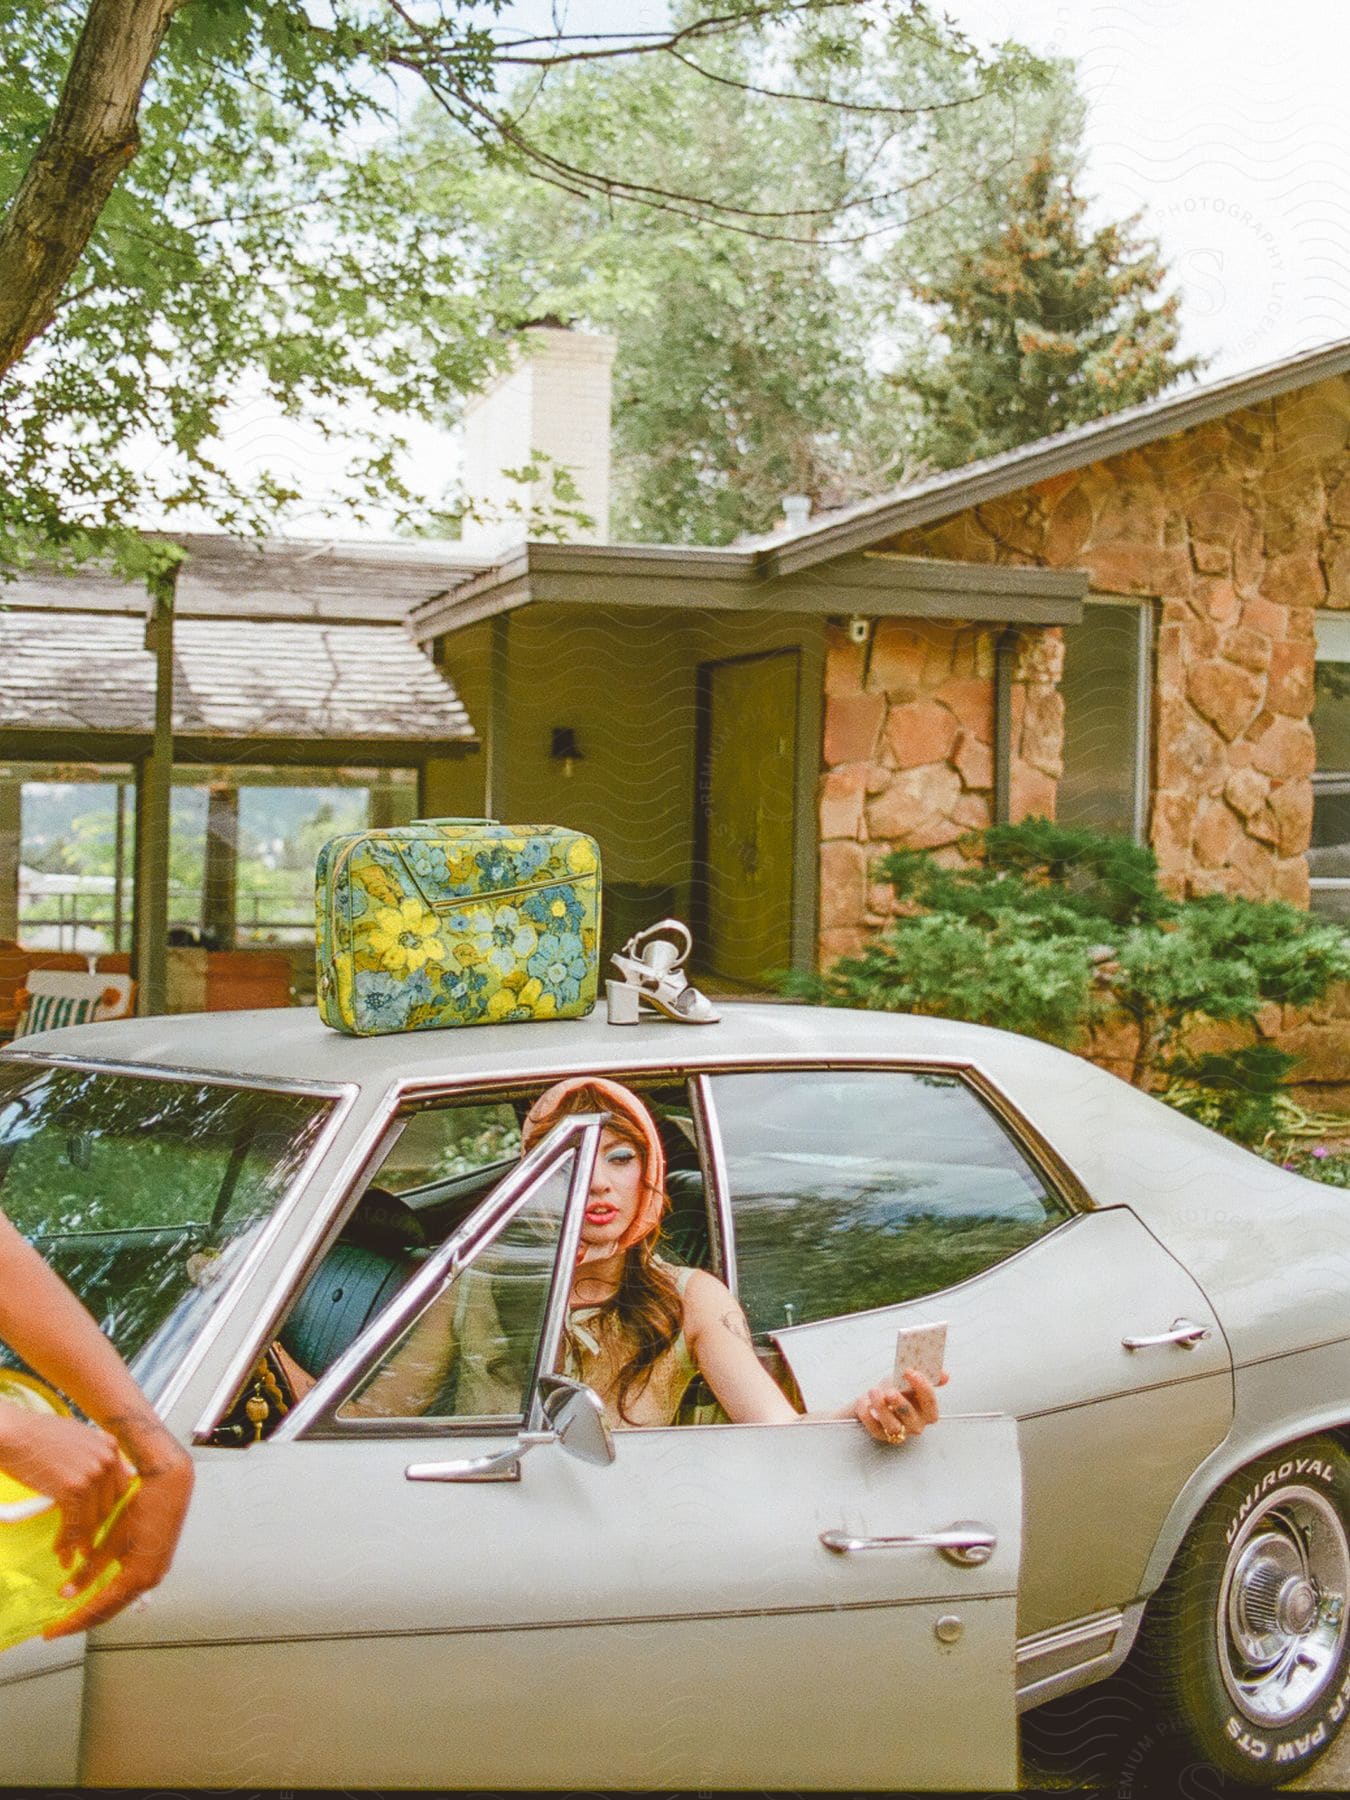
(454, 821)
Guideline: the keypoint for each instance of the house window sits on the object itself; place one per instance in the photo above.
(1106, 686)
(1329, 856)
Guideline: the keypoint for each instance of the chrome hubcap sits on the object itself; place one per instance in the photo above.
(1281, 1614)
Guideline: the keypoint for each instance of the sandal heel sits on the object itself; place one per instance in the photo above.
(624, 1002)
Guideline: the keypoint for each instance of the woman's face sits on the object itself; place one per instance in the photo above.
(616, 1190)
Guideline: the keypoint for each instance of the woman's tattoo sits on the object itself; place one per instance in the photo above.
(738, 1325)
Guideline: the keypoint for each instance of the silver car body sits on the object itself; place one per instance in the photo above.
(672, 1620)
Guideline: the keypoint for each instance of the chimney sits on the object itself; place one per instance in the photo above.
(552, 403)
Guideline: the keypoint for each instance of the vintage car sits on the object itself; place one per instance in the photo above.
(1143, 1433)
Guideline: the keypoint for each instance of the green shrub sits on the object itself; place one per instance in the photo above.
(1050, 930)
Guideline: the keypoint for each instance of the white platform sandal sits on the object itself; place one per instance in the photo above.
(653, 976)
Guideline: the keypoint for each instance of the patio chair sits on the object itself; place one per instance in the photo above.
(52, 997)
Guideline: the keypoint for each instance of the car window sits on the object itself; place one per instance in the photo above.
(144, 1193)
(470, 1353)
(859, 1188)
(450, 1154)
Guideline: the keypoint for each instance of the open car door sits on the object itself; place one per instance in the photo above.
(763, 1606)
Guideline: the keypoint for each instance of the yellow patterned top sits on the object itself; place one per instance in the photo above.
(596, 1357)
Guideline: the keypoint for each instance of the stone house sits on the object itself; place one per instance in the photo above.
(1141, 624)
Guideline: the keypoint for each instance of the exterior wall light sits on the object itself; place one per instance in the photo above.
(564, 747)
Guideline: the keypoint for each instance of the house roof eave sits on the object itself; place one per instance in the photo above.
(954, 490)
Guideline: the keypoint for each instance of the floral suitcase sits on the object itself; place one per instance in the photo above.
(456, 922)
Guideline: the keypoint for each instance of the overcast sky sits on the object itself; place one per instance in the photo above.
(1226, 121)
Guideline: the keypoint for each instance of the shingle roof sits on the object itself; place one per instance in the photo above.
(232, 678)
(951, 491)
(361, 582)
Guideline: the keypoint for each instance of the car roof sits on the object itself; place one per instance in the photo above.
(292, 1044)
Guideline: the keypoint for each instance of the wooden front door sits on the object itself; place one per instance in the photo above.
(747, 781)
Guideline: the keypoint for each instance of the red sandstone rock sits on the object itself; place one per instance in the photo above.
(1338, 501)
(1294, 579)
(843, 663)
(915, 809)
(1032, 793)
(1173, 827)
(852, 724)
(1228, 697)
(1336, 557)
(973, 704)
(923, 732)
(974, 762)
(1218, 598)
(1041, 741)
(1250, 650)
(841, 942)
(841, 801)
(1292, 806)
(1265, 616)
(1216, 831)
(1289, 685)
(1246, 791)
(1070, 526)
(973, 811)
(1192, 758)
(843, 884)
(1285, 750)
(899, 652)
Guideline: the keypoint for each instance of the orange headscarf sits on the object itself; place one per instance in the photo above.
(549, 1108)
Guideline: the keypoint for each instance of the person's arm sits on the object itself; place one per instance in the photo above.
(78, 1465)
(718, 1334)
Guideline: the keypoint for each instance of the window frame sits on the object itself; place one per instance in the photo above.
(575, 1140)
(415, 1093)
(1327, 626)
(1146, 624)
(405, 1100)
(1060, 1181)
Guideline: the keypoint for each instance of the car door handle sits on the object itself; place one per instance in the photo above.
(1184, 1332)
(967, 1542)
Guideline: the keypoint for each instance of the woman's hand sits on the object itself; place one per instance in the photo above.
(142, 1539)
(892, 1416)
(78, 1466)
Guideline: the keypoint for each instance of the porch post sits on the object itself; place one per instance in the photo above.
(150, 956)
(222, 861)
(1005, 663)
(494, 795)
(11, 815)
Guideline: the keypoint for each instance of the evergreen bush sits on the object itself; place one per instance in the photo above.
(1050, 930)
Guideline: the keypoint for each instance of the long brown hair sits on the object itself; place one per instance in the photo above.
(645, 1309)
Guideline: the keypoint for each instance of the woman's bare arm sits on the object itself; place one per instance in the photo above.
(718, 1334)
(78, 1465)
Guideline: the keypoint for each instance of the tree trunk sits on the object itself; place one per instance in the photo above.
(91, 139)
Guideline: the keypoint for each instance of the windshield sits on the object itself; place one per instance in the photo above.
(144, 1193)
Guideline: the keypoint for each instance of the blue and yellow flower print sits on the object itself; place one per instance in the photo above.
(456, 922)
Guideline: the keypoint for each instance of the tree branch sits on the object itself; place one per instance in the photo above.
(717, 25)
(91, 139)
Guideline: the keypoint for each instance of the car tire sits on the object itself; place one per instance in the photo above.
(1247, 1643)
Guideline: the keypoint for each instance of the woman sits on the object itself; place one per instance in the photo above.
(641, 1329)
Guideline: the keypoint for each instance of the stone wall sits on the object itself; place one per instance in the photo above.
(1239, 529)
(909, 758)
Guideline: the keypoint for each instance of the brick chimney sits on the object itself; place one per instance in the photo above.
(553, 403)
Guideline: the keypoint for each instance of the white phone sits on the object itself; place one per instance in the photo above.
(920, 1347)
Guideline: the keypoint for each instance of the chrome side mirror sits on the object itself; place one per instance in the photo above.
(576, 1421)
(577, 1415)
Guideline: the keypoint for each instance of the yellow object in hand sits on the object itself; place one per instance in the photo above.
(31, 1573)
